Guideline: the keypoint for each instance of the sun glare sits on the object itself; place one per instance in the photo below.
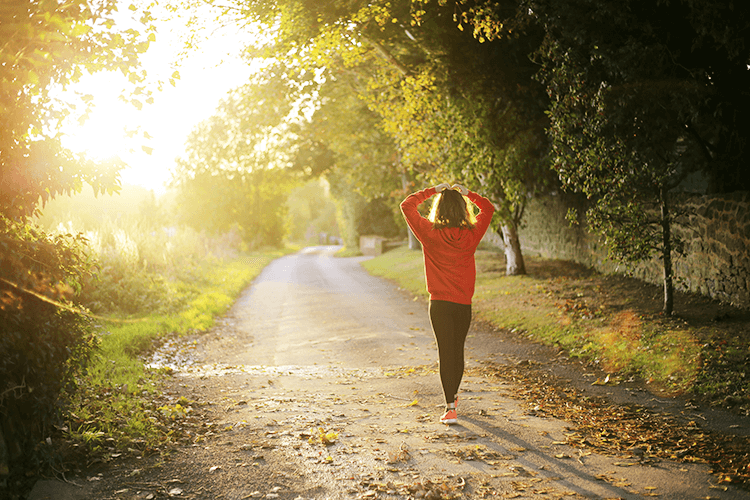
(104, 133)
(150, 138)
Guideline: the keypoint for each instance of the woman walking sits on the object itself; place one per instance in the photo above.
(449, 238)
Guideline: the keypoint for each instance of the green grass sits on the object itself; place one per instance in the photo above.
(348, 252)
(401, 265)
(117, 397)
(546, 310)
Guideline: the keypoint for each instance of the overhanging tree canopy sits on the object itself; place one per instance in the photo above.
(236, 169)
(47, 45)
(454, 107)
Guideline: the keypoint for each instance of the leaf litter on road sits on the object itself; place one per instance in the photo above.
(320, 433)
(427, 489)
(630, 431)
(478, 452)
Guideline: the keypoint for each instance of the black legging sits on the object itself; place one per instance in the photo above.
(450, 324)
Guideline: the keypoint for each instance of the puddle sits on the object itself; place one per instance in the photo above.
(178, 357)
(192, 369)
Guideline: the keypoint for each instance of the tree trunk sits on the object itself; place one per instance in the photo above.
(513, 257)
(667, 254)
(414, 243)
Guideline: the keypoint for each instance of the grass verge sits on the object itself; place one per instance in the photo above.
(117, 405)
(612, 321)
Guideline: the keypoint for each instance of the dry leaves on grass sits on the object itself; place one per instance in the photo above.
(630, 430)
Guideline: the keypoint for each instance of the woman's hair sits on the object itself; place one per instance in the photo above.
(451, 209)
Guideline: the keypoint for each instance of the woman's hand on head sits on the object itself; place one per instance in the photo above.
(442, 187)
(461, 189)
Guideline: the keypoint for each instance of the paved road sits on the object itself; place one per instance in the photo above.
(324, 382)
(311, 308)
(322, 324)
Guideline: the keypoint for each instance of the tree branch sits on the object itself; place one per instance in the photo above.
(385, 54)
(13, 389)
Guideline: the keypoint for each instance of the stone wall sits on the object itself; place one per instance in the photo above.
(717, 261)
(716, 230)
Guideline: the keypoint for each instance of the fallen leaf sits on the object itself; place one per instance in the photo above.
(599, 381)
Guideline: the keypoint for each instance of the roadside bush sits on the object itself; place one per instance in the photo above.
(379, 218)
(141, 268)
(44, 342)
(54, 362)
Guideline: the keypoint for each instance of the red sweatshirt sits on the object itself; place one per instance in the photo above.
(449, 266)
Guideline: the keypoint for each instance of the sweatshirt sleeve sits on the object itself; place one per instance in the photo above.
(418, 224)
(486, 210)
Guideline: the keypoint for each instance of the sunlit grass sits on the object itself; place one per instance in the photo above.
(625, 342)
(116, 397)
(348, 252)
(402, 265)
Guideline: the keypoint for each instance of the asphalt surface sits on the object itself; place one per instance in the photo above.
(326, 377)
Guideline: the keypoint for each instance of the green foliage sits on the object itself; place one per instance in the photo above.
(468, 110)
(364, 164)
(440, 103)
(177, 277)
(379, 218)
(639, 97)
(44, 343)
(343, 142)
(251, 203)
(668, 79)
(48, 45)
(664, 70)
(141, 261)
(635, 110)
(361, 155)
(311, 212)
(349, 207)
(235, 173)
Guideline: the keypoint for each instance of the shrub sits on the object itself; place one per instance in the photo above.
(141, 269)
(44, 341)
